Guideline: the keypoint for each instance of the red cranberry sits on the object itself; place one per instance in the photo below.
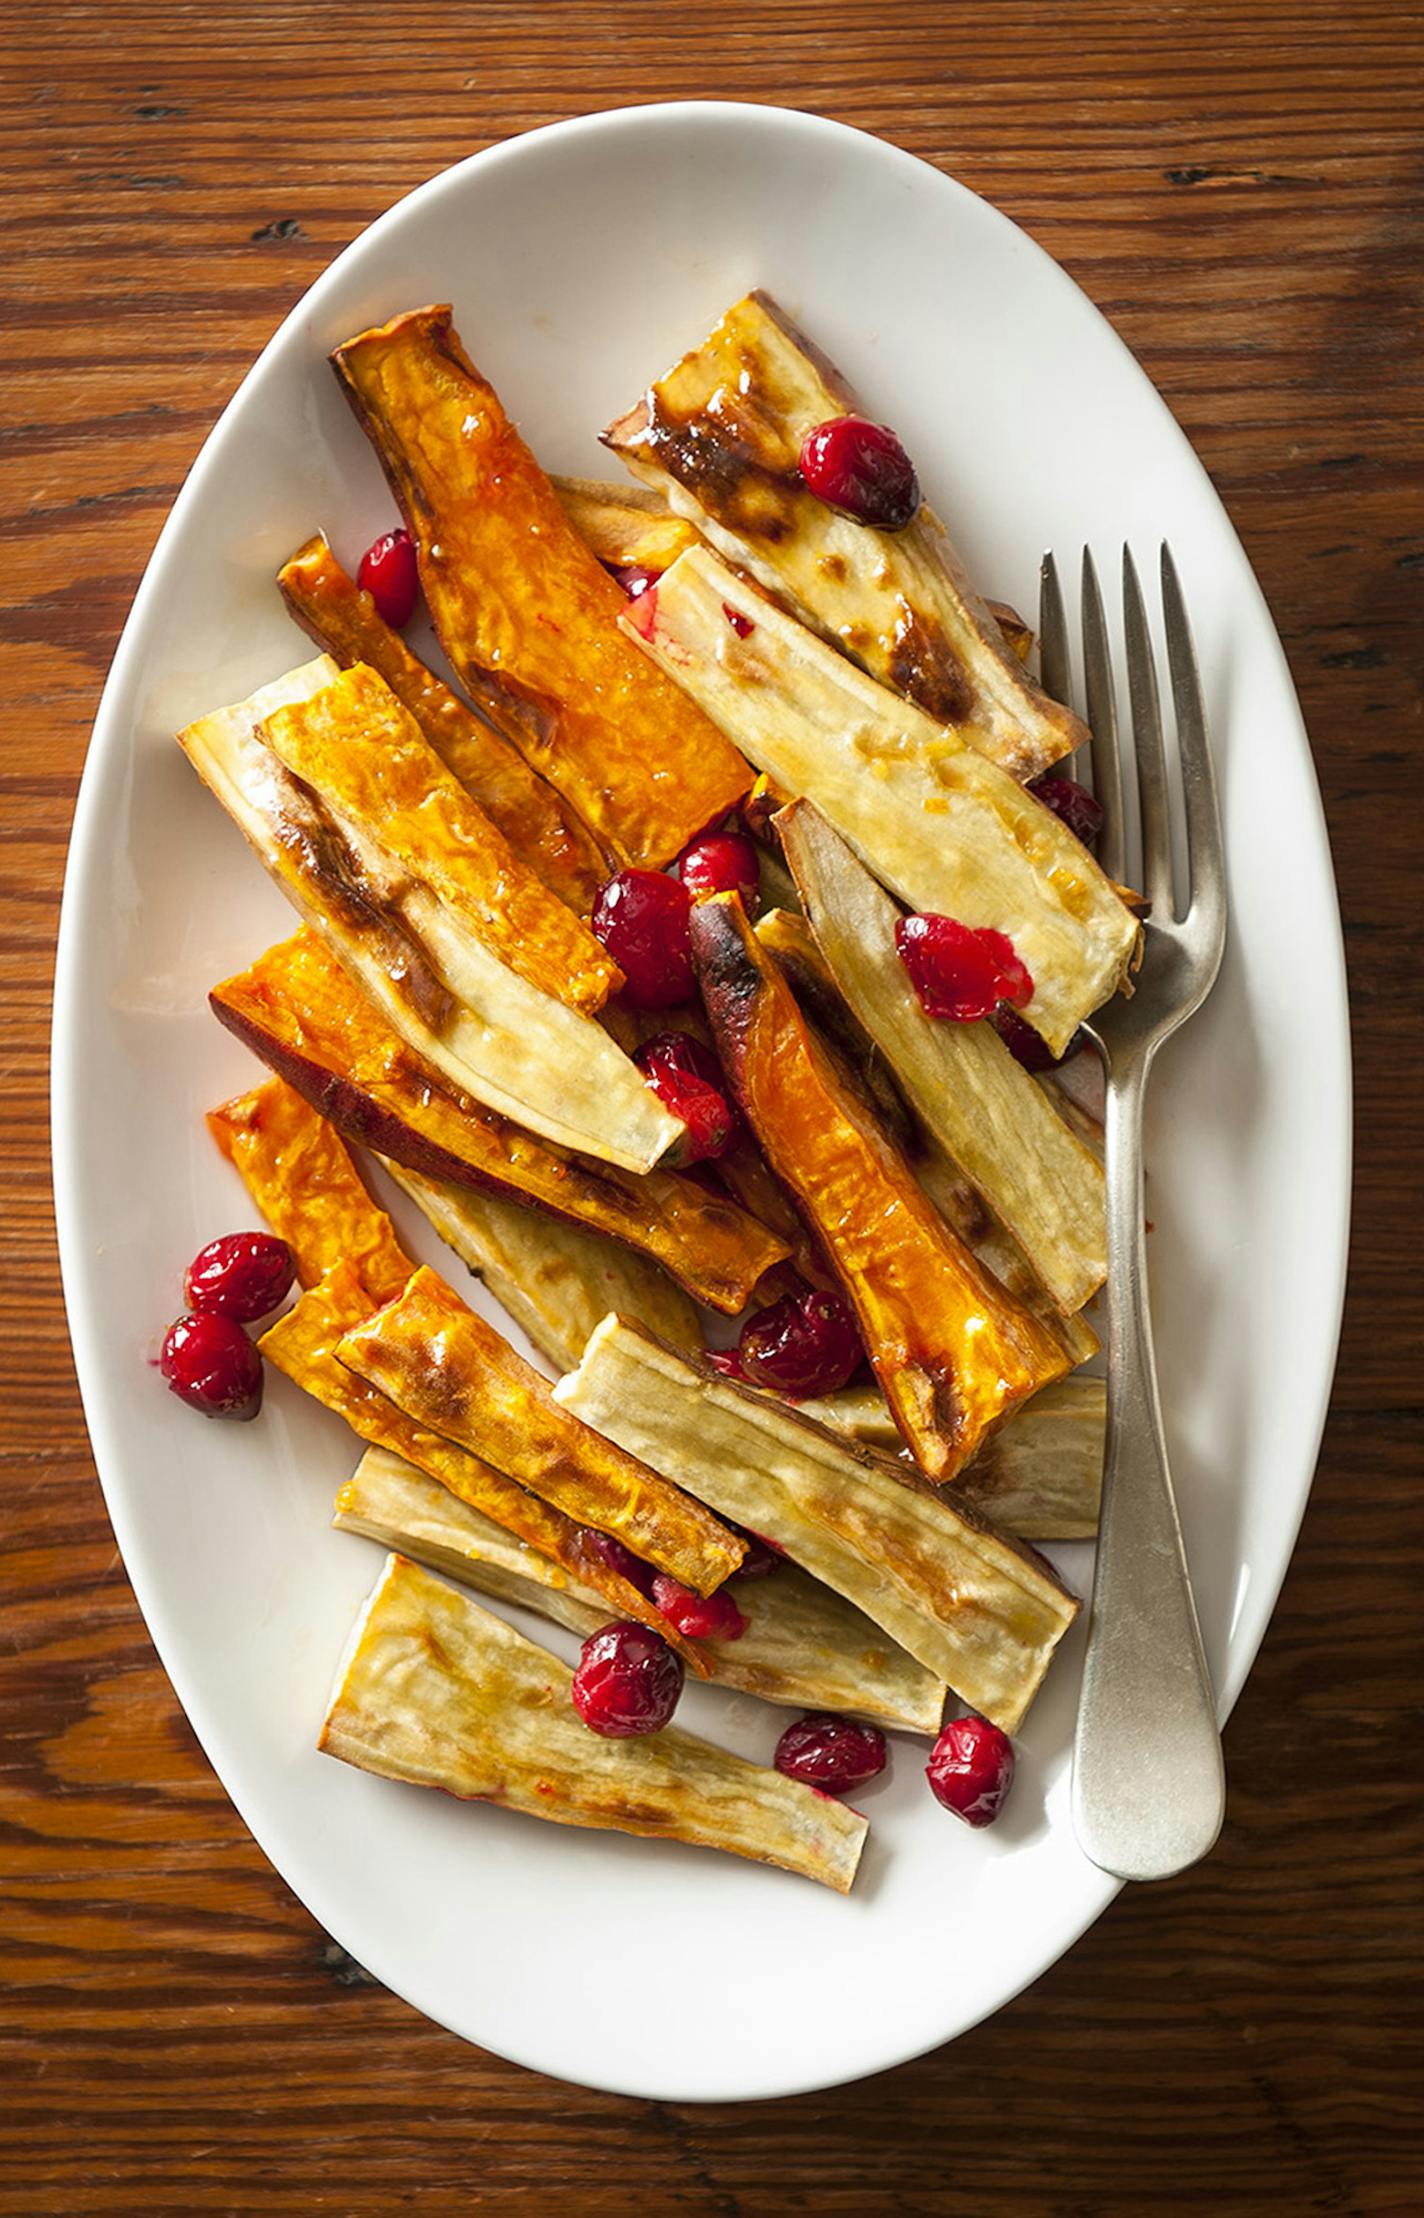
(805, 1344)
(763, 1556)
(633, 578)
(210, 1364)
(1072, 804)
(725, 1361)
(611, 1552)
(674, 1065)
(627, 1682)
(958, 972)
(1025, 1046)
(971, 1769)
(641, 918)
(861, 469)
(741, 625)
(390, 575)
(698, 1616)
(242, 1276)
(722, 862)
(830, 1752)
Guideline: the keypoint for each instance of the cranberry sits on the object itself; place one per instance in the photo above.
(958, 972)
(1025, 1046)
(641, 918)
(971, 1769)
(627, 1682)
(698, 1616)
(242, 1276)
(390, 575)
(633, 578)
(722, 862)
(804, 1344)
(861, 469)
(687, 1080)
(611, 1552)
(725, 1361)
(763, 1556)
(210, 1364)
(741, 625)
(1072, 804)
(830, 1752)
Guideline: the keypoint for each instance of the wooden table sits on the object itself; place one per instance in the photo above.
(1238, 188)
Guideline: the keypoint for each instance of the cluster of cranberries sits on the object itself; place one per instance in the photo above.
(207, 1358)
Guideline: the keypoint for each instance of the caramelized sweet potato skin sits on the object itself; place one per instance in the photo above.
(302, 1344)
(296, 1009)
(954, 1353)
(301, 1176)
(448, 1369)
(542, 828)
(513, 590)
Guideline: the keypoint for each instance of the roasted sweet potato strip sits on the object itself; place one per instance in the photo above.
(953, 1352)
(296, 1008)
(514, 590)
(541, 827)
(623, 525)
(358, 747)
(719, 435)
(800, 1643)
(302, 1344)
(431, 1355)
(435, 1690)
(301, 1176)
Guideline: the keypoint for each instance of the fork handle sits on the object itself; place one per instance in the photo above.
(1149, 1789)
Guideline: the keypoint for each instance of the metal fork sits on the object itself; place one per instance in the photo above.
(1148, 1785)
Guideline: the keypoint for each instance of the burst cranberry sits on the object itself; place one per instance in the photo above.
(210, 1364)
(958, 972)
(861, 469)
(687, 1079)
(698, 1616)
(804, 1344)
(971, 1769)
(762, 1557)
(830, 1752)
(725, 1361)
(633, 578)
(741, 625)
(611, 1552)
(390, 575)
(641, 918)
(242, 1276)
(1025, 1046)
(722, 862)
(627, 1682)
(1072, 804)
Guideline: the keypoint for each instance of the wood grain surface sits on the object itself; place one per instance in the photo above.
(1238, 188)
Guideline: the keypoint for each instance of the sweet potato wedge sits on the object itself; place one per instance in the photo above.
(943, 827)
(555, 1279)
(801, 1644)
(720, 434)
(297, 1010)
(437, 970)
(976, 1608)
(302, 1345)
(954, 1353)
(437, 1691)
(540, 826)
(513, 589)
(625, 526)
(431, 1355)
(964, 1085)
(301, 1176)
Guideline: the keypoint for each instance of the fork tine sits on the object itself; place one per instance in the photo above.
(1102, 721)
(1147, 746)
(1055, 667)
(1206, 891)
